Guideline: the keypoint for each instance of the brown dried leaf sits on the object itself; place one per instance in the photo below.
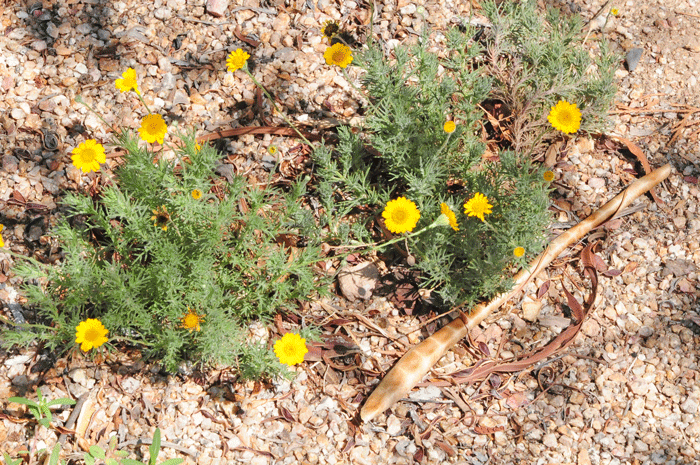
(543, 289)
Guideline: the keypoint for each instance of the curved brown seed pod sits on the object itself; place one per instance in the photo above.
(421, 358)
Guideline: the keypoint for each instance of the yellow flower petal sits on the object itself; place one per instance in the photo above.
(519, 252)
(449, 127)
(478, 206)
(236, 60)
(128, 81)
(401, 215)
(447, 211)
(153, 128)
(88, 156)
(290, 349)
(565, 116)
(191, 321)
(338, 54)
(90, 334)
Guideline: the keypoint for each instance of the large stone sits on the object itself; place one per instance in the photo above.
(217, 7)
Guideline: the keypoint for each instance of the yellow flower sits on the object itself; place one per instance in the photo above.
(272, 150)
(196, 194)
(128, 81)
(161, 217)
(153, 128)
(449, 127)
(614, 11)
(330, 29)
(519, 251)
(290, 349)
(447, 211)
(338, 54)
(401, 215)
(191, 320)
(565, 116)
(548, 176)
(88, 156)
(236, 60)
(90, 334)
(478, 206)
(197, 147)
(2, 243)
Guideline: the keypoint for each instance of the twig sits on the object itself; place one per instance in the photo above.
(73, 416)
(149, 441)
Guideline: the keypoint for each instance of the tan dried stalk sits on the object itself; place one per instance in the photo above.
(421, 358)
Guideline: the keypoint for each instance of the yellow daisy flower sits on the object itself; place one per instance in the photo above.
(191, 320)
(565, 116)
(614, 11)
(401, 215)
(128, 81)
(519, 251)
(2, 242)
(161, 217)
(272, 150)
(330, 29)
(236, 60)
(447, 211)
(290, 349)
(196, 194)
(478, 206)
(338, 54)
(548, 176)
(88, 156)
(197, 147)
(449, 127)
(153, 128)
(90, 334)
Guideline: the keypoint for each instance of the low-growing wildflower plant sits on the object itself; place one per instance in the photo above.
(153, 247)
(191, 320)
(88, 156)
(330, 29)
(338, 55)
(478, 206)
(128, 82)
(450, 215)
(290, 349)
(237, 60)
(153, 128)
(565, 117)
(401, 215)
(90, 334)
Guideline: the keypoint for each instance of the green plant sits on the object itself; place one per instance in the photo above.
(41, 409)
(432, 163)
(153, 451)
(144, 253)
(535, 61)
(10, 461)
(109, 456)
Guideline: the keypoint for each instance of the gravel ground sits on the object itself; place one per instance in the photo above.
(626, 391)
